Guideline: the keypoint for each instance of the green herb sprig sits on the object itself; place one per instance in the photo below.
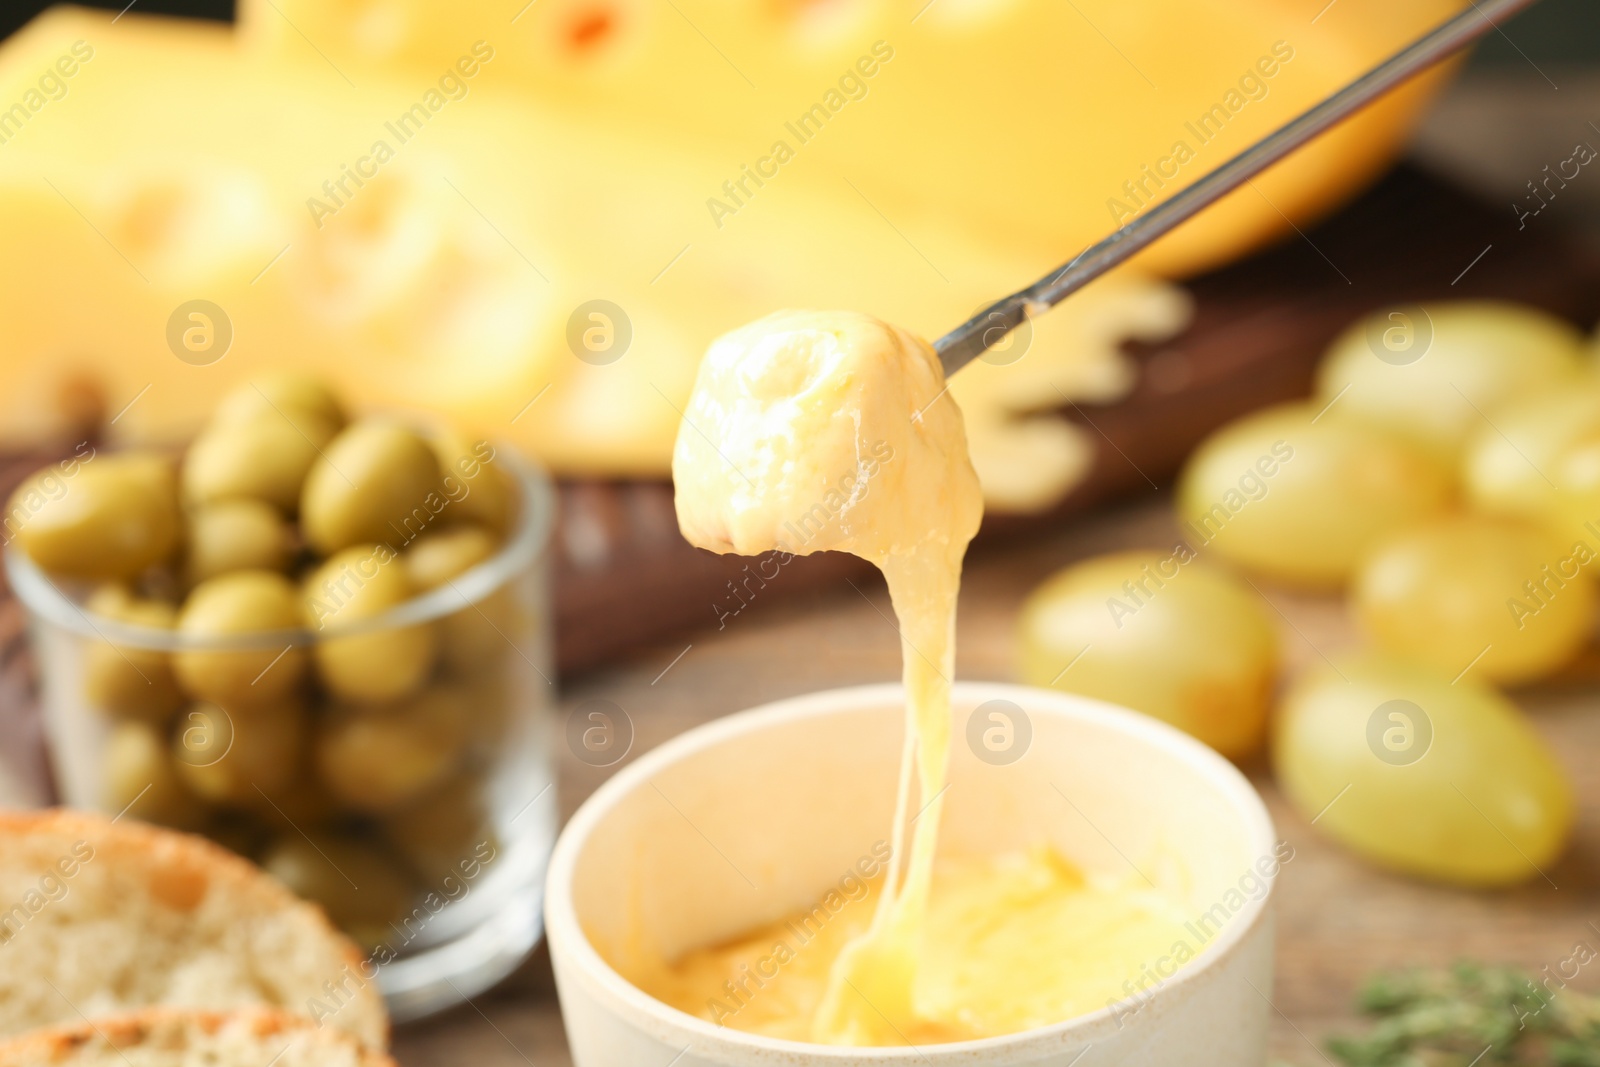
(1472, 1014)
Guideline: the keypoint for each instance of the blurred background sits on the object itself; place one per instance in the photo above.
(572, 170)
(1562, 31)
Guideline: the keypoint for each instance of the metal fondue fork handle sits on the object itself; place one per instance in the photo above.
(972, 338)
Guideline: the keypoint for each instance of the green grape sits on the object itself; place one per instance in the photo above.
(1301, 498)
(1540, 459)
(1442, 781)
(1505, 595)
(1162, 633)
(1427, 373)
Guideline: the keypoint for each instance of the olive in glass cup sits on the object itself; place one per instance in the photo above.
(190, 677)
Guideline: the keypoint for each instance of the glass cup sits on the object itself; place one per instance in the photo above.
(422, 825)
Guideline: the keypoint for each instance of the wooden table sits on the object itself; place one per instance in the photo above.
(1338, 919)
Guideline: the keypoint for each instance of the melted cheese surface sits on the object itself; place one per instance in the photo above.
(1009, 943)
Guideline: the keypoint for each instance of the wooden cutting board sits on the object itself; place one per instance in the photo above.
(626, 578)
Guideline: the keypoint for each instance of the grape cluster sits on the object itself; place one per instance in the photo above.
(1445, 478)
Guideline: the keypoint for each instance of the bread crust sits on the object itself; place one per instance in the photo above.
(164, 1026)
(184, 868)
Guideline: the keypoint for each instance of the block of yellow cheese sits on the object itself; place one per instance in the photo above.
(450, 276)
(1029, 120)
(432, 205)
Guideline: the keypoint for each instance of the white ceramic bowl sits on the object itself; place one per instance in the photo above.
(756, 815)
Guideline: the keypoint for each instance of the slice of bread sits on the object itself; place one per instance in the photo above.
(100, 917)
(179, 1037)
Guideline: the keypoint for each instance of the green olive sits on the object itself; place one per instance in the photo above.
(111, 518)
(232, 758)
(479, 637)
(303, 802)
(362, 889)
(442, 833)
(359, 583)
(303, 400)
(236, 833)
(492, 696)
(477, 487)
(243, 602)
(235, 535)
(377, 481)
(139, 779)
(378, 757)
(263, 459)
(136, 683)
(442, 555)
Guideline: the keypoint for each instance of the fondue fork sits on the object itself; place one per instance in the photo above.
(972, 338)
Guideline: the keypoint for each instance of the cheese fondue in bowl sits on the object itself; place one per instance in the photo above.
(811, 431)
(773, 813)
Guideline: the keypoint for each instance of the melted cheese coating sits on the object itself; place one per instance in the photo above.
(813, 431)
(810, 432)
